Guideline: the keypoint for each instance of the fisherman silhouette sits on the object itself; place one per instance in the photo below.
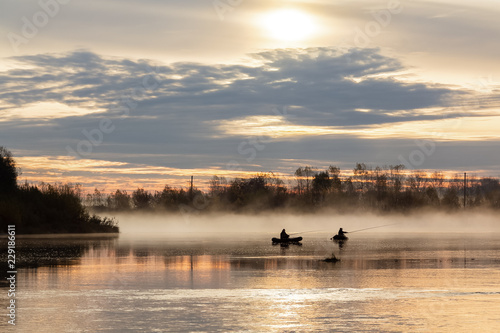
(284, 235)
(342, 233)
(340, 236)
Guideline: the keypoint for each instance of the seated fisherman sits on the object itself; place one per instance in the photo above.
(342, 233)
(284, 235)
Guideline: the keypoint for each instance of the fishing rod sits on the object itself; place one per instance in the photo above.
(350, 232)
(306, 232)
(380, 226)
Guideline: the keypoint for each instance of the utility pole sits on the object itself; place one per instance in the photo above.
(465, 189)
(191, 189)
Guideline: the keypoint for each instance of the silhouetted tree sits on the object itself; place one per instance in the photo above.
(334, 176)
(396, 177)
(491, 191)
(348, 186)
(380, 184)
(119, 200)
(416, 181)
(450, 199)
(303, 177)
(217, 185)
(98, 200)
(431, 197)
(362, 176)
(437, 180)
(321, 184)
(8, 172)
(141, 198)
(167, 199)
(474, 193)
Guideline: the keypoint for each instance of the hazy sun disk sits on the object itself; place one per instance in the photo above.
(288, 24)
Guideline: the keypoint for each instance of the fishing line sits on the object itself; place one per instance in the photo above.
(306, 232)
(380, 226)
(350, 232)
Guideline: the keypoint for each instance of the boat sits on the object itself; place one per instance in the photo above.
(331, 260)
(292, 240)
(340, 238)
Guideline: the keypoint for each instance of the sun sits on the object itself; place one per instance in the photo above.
(288, 25)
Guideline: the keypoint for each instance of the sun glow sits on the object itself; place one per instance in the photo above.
(288, 25)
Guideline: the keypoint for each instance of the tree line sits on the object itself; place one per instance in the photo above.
(383, 189)
(45, 208)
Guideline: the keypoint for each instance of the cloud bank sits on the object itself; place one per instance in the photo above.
(315, 105)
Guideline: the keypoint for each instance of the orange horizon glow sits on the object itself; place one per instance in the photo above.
(109, 176)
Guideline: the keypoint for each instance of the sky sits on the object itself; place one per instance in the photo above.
(126, 94)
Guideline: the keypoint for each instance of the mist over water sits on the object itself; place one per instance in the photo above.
(228, 223)
(221, 272)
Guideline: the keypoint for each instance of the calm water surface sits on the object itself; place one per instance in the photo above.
(207, 283)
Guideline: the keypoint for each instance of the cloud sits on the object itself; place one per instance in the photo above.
(324, 83)
(186, 102)
(195, 116)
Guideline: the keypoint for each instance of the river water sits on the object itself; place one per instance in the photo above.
(208, 283)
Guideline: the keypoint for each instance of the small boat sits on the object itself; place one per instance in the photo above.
(331, 260)
(340, 238)
(293, 240)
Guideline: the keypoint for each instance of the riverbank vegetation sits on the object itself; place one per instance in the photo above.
(62, 208)
(44, 208)
(362, 189)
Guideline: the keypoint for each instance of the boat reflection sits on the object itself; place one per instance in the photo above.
(286, 245)
(340, 243)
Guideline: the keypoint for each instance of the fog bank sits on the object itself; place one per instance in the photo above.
(161, 224)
